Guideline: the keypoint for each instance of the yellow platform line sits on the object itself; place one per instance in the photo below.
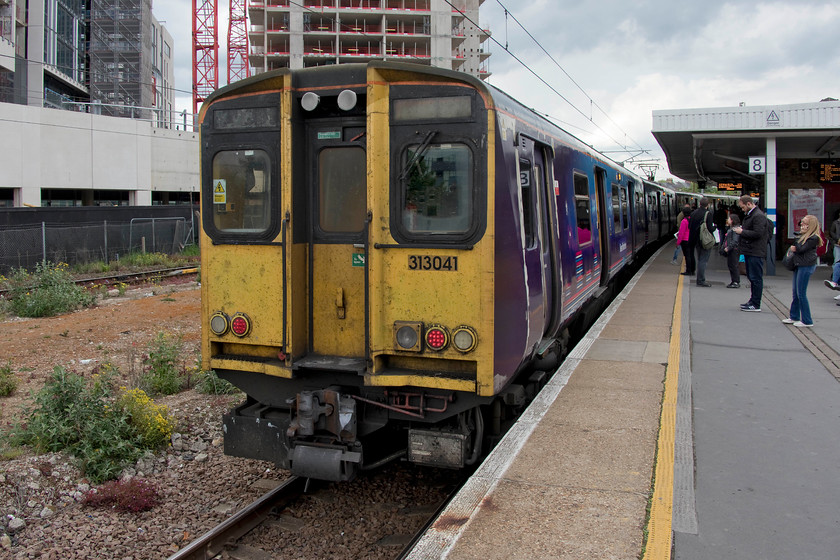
(659, 525)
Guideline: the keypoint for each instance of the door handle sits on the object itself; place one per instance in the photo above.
(339, 303)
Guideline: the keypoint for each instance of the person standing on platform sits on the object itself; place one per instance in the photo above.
(702, 214)
(805, 263)
(682, 236)
(753, 245)
(729, 249)
(834, 236)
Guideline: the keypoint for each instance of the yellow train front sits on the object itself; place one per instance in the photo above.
(345, 259)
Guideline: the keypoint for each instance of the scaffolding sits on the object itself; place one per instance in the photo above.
(121, 56)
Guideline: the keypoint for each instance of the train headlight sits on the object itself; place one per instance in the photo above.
(437, 337)
(219, 323)
(240, 325)
(407, 335)
(309, 101)
(347, 100)
(464, 339)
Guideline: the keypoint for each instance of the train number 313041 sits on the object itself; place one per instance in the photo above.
(428, 262)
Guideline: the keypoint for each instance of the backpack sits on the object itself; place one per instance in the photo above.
(822, 250)
(771, 227)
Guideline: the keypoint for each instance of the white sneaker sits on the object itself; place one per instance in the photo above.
(832, 285)
(837, 298)
(788, 321)
(801, 324)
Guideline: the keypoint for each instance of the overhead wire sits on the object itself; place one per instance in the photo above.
(589, 97)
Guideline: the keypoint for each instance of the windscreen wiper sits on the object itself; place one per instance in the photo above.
(417, 154)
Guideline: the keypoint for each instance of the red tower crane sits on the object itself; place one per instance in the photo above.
(237, 57)
(205, 50)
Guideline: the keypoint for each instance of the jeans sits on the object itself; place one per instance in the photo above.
(835, 273)
(702, 260)
(732, 258)
(800, 310)
(755, 273)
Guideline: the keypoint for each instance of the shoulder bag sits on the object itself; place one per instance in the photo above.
(707, 240)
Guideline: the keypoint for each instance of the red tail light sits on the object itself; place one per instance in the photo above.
(240, 325)
(437, 337)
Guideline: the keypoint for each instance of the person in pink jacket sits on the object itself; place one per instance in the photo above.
(682, 242)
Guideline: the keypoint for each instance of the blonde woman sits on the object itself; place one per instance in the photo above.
(805, 259)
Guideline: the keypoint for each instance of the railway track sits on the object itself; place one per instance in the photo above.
(228, 539)
(138, 277)
(215, 540)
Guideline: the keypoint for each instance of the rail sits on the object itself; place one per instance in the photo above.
(214, 541)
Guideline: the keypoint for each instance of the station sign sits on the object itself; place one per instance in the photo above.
(757, 165)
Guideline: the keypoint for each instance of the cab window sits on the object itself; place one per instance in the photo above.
(437, 189)
(240, 191)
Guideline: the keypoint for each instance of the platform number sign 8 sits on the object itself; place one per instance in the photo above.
(757, 165)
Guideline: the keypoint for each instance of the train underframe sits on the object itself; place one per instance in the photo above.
(334, 431)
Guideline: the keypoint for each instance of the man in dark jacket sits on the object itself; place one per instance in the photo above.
(753, 244)
(694, 222)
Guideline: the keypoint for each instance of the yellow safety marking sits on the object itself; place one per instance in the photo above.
(659, 525)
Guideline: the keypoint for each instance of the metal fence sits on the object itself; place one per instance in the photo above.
(26, 246)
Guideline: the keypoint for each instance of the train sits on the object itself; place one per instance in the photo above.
(394, 259)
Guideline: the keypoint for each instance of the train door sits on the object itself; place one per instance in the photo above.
(532, 217)
(603, 224)
(540, 231)
(336, 180)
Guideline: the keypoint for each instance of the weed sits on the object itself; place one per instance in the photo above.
(135, 495)
(209, 383)
(71, 414)
(48, 291)
(8, 381)
(162, 373)
(152, 422)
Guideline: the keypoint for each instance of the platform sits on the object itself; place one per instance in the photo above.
(737, 413)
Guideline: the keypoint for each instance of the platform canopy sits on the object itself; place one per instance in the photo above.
(716, 144)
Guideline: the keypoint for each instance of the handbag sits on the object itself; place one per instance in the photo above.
(707, 240)
(788, 261)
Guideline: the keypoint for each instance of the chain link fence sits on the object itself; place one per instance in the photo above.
(26, 246)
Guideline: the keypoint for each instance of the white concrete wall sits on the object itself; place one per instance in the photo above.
(49, 148)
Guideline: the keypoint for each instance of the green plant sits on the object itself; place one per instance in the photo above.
(162, 373)
(8, 381)
(209, 383)
(69, 413)
(152, 422)
(48, 291)
(134, 495)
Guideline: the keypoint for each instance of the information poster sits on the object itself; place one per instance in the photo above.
(802, 202)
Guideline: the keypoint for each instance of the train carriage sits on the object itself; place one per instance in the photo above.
(392, 257)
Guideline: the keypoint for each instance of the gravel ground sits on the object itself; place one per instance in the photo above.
(41, 510)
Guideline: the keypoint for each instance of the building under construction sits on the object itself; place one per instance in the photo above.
(286, 34)
(130, 59)
(104, 56)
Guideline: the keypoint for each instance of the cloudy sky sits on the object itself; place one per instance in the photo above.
(626, 58)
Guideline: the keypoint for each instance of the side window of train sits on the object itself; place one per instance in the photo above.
(625, 208)
(640, 211)
(583, 209)
(241, 193)
(526, 186)
(437, 184)
(616, 208)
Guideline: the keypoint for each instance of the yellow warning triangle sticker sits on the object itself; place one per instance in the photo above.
(220, 188)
